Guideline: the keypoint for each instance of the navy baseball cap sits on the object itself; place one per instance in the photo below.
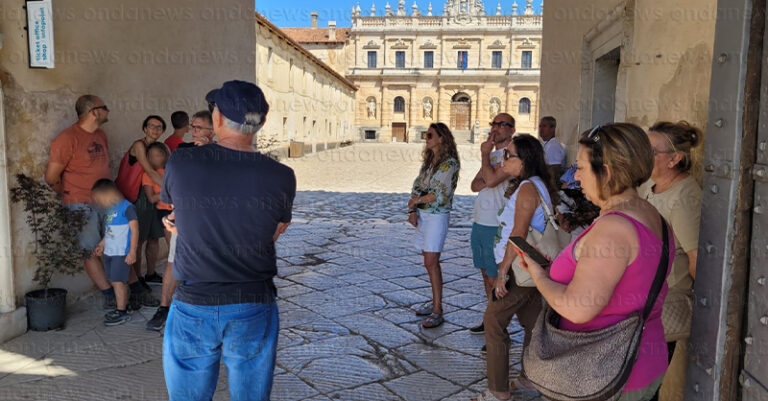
(237, 98)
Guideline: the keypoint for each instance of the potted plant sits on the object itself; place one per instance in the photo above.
(57, 249)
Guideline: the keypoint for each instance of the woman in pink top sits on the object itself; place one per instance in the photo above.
(605, 275)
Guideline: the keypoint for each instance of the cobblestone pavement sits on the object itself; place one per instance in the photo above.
(348, 278)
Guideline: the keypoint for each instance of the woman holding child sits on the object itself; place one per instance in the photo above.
(133, 166)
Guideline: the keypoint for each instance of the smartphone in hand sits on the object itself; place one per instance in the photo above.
(523, 246)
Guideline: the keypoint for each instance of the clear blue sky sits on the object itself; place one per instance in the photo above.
(295, 13)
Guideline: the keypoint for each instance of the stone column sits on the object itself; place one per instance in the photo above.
(13, 321)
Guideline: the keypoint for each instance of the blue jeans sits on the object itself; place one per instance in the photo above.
(197, 337)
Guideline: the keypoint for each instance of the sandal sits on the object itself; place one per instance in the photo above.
(425, 310)
(488, 396)
(433, 320)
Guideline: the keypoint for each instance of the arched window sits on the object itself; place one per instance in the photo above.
(525, 106)
(399, 105)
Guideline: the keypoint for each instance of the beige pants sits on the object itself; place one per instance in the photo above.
(525, 302)
(674, 380)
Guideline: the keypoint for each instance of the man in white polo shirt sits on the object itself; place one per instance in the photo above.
(490, 183)
(554, 151)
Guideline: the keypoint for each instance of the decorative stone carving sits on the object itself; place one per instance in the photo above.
(497, 44)
(371, 45)
(494, 107)
(400, 44)
(371, 108)
(429, 44)
(428, 109)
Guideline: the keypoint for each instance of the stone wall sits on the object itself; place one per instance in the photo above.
(309, 101)
(665, 51)
(141, 57)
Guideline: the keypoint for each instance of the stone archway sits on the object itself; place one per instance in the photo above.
(461, 111)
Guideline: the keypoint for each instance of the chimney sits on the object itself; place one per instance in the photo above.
(331, 30)
(314, 18)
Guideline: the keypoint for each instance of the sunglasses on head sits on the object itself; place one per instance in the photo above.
(594, 135)
(502, 124)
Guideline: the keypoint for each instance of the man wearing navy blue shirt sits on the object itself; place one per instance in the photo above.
(231, 203)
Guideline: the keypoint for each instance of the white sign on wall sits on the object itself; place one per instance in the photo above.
(40, 32)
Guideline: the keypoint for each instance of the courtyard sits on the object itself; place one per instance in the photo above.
(349, 276)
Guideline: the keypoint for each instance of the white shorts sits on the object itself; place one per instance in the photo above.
(172, 248)
(431, 231)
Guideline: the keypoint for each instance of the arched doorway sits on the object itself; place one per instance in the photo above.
(461, 111)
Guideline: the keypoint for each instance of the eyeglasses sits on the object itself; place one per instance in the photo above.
(502, 124)
(508, 155)
(657, 152)
(154, 126)
(103, 107)
(199, 128)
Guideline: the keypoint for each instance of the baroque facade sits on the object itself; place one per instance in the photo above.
(413, 68)
(460, 68)
(310, 102)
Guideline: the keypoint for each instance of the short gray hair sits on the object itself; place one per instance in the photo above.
(253, 122)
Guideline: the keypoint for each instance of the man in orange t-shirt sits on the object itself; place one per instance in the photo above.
(80, 157)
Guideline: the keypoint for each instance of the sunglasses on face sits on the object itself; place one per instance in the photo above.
(211, 106)
(104, 107)
(509, 155)
(154, 126)
(502, 124)
(429, 135)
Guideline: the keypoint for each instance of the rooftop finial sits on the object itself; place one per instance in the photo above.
(373, 9)
(529, 7)
(429, 9)
(514, 8)
(498, 8)
(401, 8)
(415, 9)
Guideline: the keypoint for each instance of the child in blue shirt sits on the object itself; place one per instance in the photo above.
(121, 238)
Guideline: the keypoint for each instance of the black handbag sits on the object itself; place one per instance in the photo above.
(594, 365)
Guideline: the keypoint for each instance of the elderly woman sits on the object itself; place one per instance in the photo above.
(524, 161)
(133, 165)
(603, 277)
(429, 211)
(677, 196)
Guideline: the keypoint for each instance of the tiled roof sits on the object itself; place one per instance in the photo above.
(316, 35)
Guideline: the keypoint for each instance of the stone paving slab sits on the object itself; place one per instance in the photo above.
(348, 278)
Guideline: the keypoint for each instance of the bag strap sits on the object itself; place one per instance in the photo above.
(661, 272)
(545, 206)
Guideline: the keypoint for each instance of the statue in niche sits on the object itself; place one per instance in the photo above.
(495, 108)
(371, 108)
(427, 109)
